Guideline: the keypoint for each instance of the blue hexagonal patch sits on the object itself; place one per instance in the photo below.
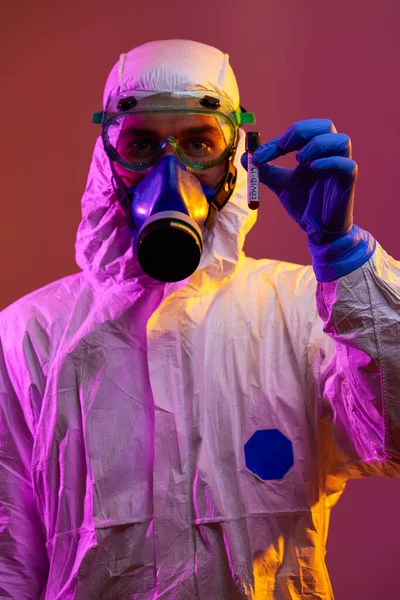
(269, 454)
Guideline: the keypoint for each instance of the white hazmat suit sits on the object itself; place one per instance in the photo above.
(129, 407)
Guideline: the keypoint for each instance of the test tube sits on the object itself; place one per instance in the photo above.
(253, 181)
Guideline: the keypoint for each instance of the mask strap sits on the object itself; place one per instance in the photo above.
(224, 189)
(123, 198)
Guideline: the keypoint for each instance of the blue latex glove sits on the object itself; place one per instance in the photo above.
(318, 194)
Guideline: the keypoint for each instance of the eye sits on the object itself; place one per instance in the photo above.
(198, 147)
(142, 147)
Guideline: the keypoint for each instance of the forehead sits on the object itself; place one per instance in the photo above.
(170, 123)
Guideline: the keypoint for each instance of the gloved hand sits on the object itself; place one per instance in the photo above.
(318, 194)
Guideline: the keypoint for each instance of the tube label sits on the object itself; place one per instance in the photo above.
(253, 180)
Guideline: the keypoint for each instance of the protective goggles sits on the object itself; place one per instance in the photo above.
(200, 126)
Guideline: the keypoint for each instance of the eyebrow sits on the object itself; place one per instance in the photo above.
(189, 130)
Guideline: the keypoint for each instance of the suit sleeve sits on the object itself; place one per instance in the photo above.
(23, 557)
(358, 384)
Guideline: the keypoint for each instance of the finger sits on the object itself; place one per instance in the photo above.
(327, 144)
(301, 132)
(274, 177)
(338, 165)
(268, 151)
(243, 160)
(338, 206)
(294, 138)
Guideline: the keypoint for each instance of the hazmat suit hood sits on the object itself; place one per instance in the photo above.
(104, 248)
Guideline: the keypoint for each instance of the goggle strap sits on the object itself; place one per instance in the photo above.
(240, 118)
(247, 118)
(97, 118)
(243, 117)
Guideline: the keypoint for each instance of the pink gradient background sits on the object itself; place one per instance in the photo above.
(293, 60)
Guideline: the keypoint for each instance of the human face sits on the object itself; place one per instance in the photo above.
(201, 131)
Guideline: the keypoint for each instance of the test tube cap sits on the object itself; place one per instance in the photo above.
(252, 140)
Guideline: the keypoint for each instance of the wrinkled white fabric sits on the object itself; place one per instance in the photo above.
(127, 406)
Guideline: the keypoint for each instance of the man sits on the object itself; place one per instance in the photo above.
(177, 419)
